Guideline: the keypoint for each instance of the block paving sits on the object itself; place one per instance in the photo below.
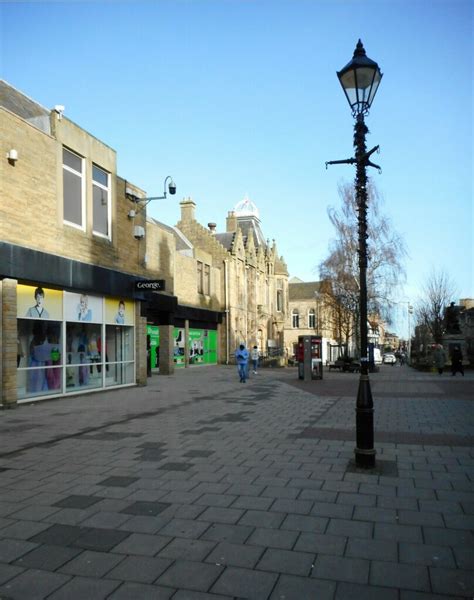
(199, 487)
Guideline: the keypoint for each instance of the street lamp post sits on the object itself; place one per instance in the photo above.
(360, 79)
(410, 312)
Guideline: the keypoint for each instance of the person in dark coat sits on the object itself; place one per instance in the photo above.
(456, 361)
(439, 358)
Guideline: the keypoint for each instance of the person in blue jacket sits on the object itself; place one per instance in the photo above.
(242, 358)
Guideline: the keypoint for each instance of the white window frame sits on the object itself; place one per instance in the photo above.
(107, 189)
(82, 177)
(295, 319)
(312, 318)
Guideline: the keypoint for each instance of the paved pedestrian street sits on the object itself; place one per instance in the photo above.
(200, 487)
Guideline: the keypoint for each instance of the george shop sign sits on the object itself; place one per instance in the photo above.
(150, 285)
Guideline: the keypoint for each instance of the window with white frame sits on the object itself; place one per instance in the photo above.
(101, 209)
(295, 319)
(311, 319)
(73, 189)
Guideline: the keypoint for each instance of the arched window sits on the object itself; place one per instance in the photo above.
(311, 319)
(295, 318)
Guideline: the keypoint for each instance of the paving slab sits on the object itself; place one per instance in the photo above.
(197, 488)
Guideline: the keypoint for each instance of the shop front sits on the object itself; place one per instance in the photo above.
(72, 342)
(79, 328)
(201, 346)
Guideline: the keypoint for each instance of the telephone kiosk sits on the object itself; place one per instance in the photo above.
(309, 356)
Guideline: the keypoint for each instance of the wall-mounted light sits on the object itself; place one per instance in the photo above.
(12, 156)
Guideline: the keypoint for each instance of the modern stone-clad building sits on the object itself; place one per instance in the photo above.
(94, 293)
(72, 318)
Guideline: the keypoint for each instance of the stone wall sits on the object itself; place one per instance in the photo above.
(9, 342)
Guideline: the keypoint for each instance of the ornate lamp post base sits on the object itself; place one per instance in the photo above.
(364, 450)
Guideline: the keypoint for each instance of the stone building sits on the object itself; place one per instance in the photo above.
(93, 292)
(247, 278)
(308, 314)
(73, 319)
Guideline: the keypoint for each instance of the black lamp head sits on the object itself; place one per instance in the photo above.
(360, 79)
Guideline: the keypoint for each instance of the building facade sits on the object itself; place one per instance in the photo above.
(251, 280)
(94, 293)
(73, 319)
(308, 314)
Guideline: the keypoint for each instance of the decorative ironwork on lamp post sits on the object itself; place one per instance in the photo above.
(360, 79)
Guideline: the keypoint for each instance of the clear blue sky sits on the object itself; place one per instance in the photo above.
(235, 97)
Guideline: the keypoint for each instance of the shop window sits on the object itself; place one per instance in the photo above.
(73, 189)
(119, 355)
(101, 202)
(295, 319)
(60, 342)
(83, 356)
(39, 360)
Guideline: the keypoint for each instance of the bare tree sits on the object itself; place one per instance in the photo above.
(385, 271)
(438, 291)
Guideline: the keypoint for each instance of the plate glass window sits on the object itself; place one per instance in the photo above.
(73, 189)
(101, 201)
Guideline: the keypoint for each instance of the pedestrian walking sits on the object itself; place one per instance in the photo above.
(254, 356)
(242, 358)
(456, 361)
(439, 358)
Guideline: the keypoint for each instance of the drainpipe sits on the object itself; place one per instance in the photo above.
(227, 314)
(246, 304)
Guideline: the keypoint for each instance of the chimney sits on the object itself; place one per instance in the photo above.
(231, 222)
(212, 228)
(187, 209)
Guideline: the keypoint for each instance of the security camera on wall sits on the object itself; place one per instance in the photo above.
(138, 232)
(172, 187)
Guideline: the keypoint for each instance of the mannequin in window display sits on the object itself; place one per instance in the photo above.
(36, 358)
(53, 376)
(19, 352)
(82, 349)
(93, 350)
(99, 349)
